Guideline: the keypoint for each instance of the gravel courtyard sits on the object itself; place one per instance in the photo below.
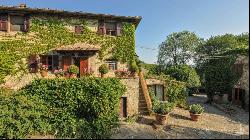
(214, 123)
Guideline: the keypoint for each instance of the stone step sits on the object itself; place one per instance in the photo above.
(143, 108)
(143, 104)
(143, 112)
(142, 97)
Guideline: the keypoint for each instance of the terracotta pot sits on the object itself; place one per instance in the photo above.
(161, 119)
(104, 75)
(44, 73)
(73, 75)
(194, 117)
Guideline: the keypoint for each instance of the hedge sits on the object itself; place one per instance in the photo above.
(66, 108)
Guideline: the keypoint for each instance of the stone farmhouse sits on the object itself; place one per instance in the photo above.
(17, 22)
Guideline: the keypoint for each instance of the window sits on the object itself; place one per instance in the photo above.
(78, 29)
(112, 65)
(50, 60)
(158, 91)
(19, 23)
(3, 22)
(109, 28)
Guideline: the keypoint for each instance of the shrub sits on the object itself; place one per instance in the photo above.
(196, 109)
(163, 108)
(73, 69)
(134, 67)
(103, 69)
(185, 74)
(59, 73)
(132, 119)
(68, 108)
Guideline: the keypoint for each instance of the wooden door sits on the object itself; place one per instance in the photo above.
(83, 65)
(123, 107)
(66, 62)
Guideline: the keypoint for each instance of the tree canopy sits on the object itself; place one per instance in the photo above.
(179, 48)
(216, 58)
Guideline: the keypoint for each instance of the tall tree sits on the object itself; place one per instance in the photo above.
(179, 48)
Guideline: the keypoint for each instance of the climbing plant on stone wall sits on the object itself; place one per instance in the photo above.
(48, 34)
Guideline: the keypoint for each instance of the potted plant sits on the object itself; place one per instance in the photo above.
(161, 110)
(103, 69)
(73, 71)
(43, 70)
(195, 111)
(59, 73)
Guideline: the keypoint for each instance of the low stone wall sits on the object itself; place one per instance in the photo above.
(132, 94)
(152, 81)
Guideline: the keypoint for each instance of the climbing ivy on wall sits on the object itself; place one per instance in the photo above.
(48, 34)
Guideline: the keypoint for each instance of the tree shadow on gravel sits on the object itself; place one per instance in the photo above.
(188, 132)
(211, 109)
(177, 116)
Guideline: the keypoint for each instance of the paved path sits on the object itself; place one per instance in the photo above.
(214, 123)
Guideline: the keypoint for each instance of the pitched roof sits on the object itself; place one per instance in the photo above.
(133, 19)
(79, 47)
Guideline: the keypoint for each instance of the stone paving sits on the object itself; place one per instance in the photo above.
(214, 123)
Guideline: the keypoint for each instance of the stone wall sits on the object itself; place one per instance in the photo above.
(152, 81)
(243, 82)
(132, 94)
(94, 61)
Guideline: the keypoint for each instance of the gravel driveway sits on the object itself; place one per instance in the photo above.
(214, 123)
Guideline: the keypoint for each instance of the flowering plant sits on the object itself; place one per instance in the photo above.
(59, 73)
(43, 67)
(87, 72)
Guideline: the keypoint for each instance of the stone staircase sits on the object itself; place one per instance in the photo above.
(143, 110)
(145, 103)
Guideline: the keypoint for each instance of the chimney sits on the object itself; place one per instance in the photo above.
(22, 5)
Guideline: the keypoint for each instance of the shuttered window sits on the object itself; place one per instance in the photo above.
(78, 29)
(19, 23)
(112, 65)
(109, 28)
(3, 22)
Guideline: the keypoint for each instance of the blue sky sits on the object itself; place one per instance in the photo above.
(161, 17)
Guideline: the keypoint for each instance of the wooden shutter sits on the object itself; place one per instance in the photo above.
(26, 24)
(118, 29)
(238, 69)
(33, 63)
(78, 29)
(3, 22)
(101, 27)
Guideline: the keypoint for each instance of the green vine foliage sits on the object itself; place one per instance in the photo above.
(223, 51)
(73, 108)
(45, 35)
